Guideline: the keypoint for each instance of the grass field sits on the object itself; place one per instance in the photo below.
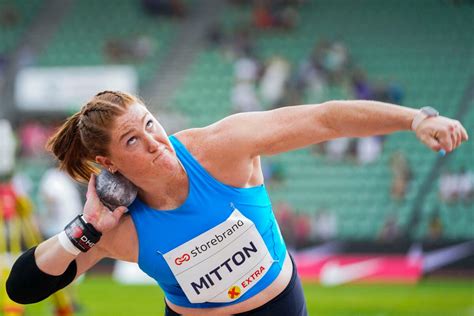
(100, 296)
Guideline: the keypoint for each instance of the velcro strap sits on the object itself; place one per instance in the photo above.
(82, 234)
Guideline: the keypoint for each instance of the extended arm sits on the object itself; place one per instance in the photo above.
(289, 128)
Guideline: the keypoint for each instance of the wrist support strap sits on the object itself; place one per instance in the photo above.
(81, 234)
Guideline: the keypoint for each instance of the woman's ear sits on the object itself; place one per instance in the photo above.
(106, 163)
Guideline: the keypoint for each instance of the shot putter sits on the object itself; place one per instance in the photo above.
(114, 189)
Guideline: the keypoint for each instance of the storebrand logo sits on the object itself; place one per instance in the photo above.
(179, 261)
(217, 239)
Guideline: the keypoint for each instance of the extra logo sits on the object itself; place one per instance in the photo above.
(180, 260)
(234, 292)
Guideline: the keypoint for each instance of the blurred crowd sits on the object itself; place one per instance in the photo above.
(26, 167)
(302, 228)
(457, 186)
(268, 83)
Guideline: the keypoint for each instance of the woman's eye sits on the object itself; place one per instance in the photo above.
(149, 123)
(131, 140)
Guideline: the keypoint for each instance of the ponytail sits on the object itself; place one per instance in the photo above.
(86, 134)
(73, 156)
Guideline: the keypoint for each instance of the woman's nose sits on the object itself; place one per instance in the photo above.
(152, 144)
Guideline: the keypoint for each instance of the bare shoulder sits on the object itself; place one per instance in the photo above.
(213, 149)
(193, 138)
(203, 143)
(121, 242)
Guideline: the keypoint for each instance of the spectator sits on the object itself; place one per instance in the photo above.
(246, 69)
(387, 92)
(401, 175)
(244, 95)
(390, 230)
(274, 14)
(302, 230)
(170, 8)
(369, 149)
(9, 16)
(214, 35)
(286, 217)
(448, 187)
(3, 69)
(60, 199)
(242, 42)
(7, 148)
(33, 136)
(337, 149)
(435, 227)
(361, 87)
(134, 49)
(381, 91)
(244, 98)
(465, 185)
(336, 62)
(454, 187)
(323, 226)
(291, 95)
(273, 82)
(310, 76)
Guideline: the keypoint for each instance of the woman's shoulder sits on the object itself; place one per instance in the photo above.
(216, 153)
(197, 141)
(191, 136)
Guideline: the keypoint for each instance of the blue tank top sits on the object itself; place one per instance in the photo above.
(212, 214)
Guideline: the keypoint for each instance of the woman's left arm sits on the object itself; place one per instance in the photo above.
(288, 128)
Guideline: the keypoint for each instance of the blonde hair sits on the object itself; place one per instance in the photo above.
(86, 134)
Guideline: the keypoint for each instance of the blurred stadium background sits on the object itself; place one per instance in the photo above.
(378, 226)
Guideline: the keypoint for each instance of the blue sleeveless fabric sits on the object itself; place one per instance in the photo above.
(208, 204)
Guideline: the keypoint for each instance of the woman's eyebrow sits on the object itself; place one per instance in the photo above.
(132, 128)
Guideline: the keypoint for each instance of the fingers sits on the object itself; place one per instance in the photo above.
(91, 187)
(454, 136)
(464, 135)
(445, 139)
(458, 134)
(431, 142)
(118, 212)
(451, 135)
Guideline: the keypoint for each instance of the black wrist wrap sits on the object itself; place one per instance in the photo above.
(82, 234)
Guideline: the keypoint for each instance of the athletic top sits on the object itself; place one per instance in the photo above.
(220, 247)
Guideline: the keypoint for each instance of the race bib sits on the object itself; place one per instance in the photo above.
(221, 264)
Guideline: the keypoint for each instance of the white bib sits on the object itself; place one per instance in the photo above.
(222, 263)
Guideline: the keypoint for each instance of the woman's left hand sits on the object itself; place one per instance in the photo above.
(441, 133)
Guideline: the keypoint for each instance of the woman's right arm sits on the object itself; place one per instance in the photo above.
(53, 259)
(49, 267)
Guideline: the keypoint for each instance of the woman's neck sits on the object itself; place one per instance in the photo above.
(169, 194)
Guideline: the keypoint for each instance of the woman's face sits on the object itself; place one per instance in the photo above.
(139, 147)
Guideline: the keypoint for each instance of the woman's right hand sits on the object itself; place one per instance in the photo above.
(97, 213)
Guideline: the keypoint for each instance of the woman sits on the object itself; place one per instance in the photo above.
(202, 224)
